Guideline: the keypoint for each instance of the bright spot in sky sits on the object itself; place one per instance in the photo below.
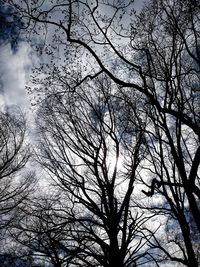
(113, 163)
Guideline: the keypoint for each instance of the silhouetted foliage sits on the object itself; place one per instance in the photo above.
(84, 147)
(152, 57)
(15, 181)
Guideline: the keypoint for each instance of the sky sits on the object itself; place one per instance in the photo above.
(16, 62)
(14, 70)
(17, 59)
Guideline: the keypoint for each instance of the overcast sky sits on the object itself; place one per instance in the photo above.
(14, 70)
(16, 61)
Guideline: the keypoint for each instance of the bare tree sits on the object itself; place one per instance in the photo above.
(94, 154)
(14, 154)
(43, 230)
(172, 73)
(15, 181)
(165, 183)
(155, 53)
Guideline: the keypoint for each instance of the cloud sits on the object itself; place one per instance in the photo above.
(14, 72)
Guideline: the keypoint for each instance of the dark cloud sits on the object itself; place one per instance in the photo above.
(10, 25)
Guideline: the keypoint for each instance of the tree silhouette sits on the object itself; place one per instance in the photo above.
(89, 151)
(15, 181)
(154, 53)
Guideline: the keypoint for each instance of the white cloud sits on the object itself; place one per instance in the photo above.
(14, 72)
